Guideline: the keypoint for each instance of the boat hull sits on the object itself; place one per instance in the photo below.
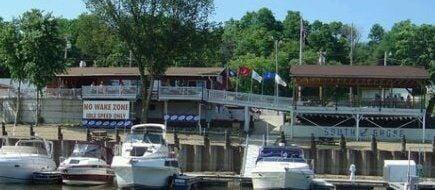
(281, 180)
(87, 175)
(148, 174)
(20, 170)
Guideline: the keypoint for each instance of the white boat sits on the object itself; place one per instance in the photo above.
(281, 167)
(86, 166)
(145, 159)
(18, 162)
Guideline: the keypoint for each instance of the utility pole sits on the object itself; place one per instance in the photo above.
(301, 44)
(351, 44)
(276, 67)
(351, 61)
(385, 58)
(301, 39)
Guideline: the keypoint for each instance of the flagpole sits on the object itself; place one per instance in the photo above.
(276, 68)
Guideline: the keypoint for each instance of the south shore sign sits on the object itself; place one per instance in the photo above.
(106, 110)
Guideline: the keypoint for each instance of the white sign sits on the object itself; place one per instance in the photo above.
(106, 110)
(365, 133)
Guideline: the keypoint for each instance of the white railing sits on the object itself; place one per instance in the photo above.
(71, 93)
(96, 92)
(247, 99)
(180, 93)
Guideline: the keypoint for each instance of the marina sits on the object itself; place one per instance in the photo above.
(197, 95)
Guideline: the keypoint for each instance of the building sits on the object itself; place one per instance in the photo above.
(359, 101)
(176, 97)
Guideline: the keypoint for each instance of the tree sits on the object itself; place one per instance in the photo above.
(376, 34)
(153, 30)
(97, 43)
(12, 57)
(42, 49)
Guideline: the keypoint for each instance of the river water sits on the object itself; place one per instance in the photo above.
(66, 187)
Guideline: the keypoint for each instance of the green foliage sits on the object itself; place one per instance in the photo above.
(41, 47)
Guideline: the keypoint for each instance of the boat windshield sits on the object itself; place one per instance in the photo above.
(146, 138)
(87, 150)
(281, 154)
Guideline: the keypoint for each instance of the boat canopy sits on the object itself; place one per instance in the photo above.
(87, 150)
(149, 127)
(281, 154)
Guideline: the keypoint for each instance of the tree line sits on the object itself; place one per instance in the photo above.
(153, 35)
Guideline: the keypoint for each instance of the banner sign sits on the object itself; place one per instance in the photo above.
(98, 123)
(365, 133)
(106, 110)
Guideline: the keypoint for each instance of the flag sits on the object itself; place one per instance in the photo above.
(232, 73)
(279, 81)
(268, 76)
(244, 71)
(256, 76)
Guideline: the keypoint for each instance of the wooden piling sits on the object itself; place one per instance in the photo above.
(343, 156)
(403, 148)
(4, 132)
(32, 133)
(59, 133)
(88, 134)
(117, 137)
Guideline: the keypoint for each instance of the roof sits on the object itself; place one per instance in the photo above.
(133, 71)
(347, 71)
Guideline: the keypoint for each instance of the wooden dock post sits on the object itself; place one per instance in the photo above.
(32, 133)
(206, 157)
(88, 134)
(403, 150)
(374, 160)
(343, 156)
(60, 138)
(117, 137)
(313, 152)
(4, 133)
(176, 141)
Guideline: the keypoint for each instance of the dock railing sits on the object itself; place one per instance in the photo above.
(103, 92)
(180, 93)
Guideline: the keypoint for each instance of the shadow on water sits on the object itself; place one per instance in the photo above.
(101, 187)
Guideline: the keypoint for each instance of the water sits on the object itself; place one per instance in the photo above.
(67, 187)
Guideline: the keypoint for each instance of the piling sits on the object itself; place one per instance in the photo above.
(313, 151)
(60, 138)
(343, 156)
(88, 134)
(374, 161)
(117, 137)
(403, 149)
(4, 133)
(229, 153)
(206, 154)
(32, 133)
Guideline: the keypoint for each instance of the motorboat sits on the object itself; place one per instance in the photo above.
(281, 167)
(18, 162)
(145, 159)
(86, 166)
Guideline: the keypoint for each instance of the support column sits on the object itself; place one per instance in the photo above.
(357, 127)
(165, 111)
(199, 115)
(292, 115)
(299, 93)
(247, 119)
(321, 93)
(424, 127)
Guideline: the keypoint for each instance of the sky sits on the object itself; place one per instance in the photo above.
(362, 13)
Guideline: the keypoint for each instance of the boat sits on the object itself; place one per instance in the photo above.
(145, 160)
(27, 156)
(86, 166)
(281, 167)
